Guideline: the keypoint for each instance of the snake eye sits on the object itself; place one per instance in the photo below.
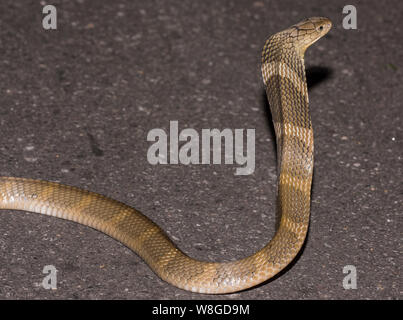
(320, 28)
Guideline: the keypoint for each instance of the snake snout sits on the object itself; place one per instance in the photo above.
(323, 25)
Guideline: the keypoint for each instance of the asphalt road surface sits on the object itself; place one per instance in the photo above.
(77, 103)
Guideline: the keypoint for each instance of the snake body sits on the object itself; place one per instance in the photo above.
(284, 77)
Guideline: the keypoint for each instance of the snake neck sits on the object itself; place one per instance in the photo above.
(284, 75)
(283, 72)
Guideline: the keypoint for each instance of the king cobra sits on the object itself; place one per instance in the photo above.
(286, 87)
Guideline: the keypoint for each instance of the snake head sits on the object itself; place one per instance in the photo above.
(309, 31)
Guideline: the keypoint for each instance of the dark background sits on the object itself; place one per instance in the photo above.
(76, 105)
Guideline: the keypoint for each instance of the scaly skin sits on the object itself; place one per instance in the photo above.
(284, 76)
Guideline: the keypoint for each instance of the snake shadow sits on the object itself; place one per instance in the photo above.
(314, 76)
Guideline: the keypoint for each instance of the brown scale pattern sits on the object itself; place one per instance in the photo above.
(284, 76)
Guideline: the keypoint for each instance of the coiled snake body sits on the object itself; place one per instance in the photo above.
(284, 76)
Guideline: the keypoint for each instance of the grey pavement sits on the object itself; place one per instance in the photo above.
(77, 103)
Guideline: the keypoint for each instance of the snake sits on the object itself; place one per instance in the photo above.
(284, 77)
